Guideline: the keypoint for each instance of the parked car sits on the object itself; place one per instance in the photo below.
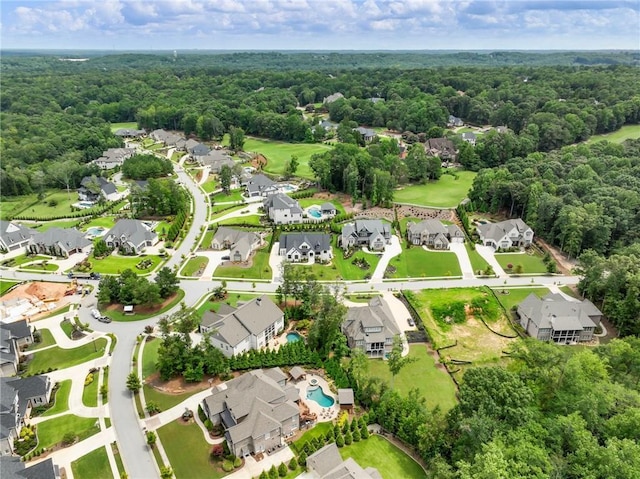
(104, 319)
(411, 322)
(226, 258)
(95, 313)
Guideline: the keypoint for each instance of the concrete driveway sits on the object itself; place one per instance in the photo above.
(391, 250)
(275, 261)
(215, 258)
(463, 259)
(400, 315)
(488, 253)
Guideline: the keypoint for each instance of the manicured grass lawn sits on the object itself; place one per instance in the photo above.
(478, 263)
(58, 358)
(64, 224)
(278, 153)
(218, 211)
(194, 265)
(349, 271)
(94, 465)
(176, 438)
(249, 219)
(117, 264)
(41, 267)
(104, 221)
(164, 401)
(531, 263)
(43, 209)
(118, 457)
(259, 268)
(90, 392)
(150, 356)
(52, 431)
(23, 259)
(232, 300)
(416, 262)
(118, 315)
(434, 384)
(207, 239)
(515, 296)
(320, 429)
(447, 192)
(209, 185)
(390, 461)
(567, 290)
(62, 399)
(234, 195)
(627, 132)
(306, 202)
(67, 327)
(12, 205)
(129, 125)
(6, 285)
(47, 339)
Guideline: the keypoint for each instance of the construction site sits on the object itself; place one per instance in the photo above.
(34, 300)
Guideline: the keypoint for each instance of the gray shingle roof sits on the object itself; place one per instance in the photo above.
(260, 183)
(133, 231)
(431, 226)
(281, 201)
(14, 233)
(68, 238)
(345, 396)
(318, 242)
(106, 186)
(13, 468)
(376, 314)
(496, 231)
(327, 463)
(557, 312)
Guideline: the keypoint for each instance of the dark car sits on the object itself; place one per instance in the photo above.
(104, 319)
(411, 322)
(226, 258)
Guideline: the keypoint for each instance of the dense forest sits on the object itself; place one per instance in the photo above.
(59, 111)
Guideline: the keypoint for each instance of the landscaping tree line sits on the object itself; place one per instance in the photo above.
(160, 197)
(145, 166)
(131, 289)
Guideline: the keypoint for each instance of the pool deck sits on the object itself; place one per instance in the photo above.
(324, 414)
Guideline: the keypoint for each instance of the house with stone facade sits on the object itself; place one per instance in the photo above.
(373, 234)
(282, 210)
(14, 236)
(506, 234)
(240, 243)
(434, 234)
(61, 242)
(131, 236)
(303, 247)
(371, 328)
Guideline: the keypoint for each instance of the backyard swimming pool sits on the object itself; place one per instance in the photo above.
(293, 337)
(95, 231)
(317, 394)
(84, 204)
(315, 212)
(287, 188)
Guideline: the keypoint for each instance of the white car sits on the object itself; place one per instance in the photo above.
(95, 313)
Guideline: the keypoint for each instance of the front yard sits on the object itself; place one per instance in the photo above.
(531, 263)
(258, 269)
(94, 465)
(116, 312)
(52, 431)
(194, 266)
(117, 264)
(58, 358)
(515, 296)
(416, 262)
(447, 192)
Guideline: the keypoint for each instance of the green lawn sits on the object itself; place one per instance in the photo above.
(90, 392)
(130, 125)
(278, 153)
(176, 438)
(117, 264)
(47, 339)
(55, 203)
(62, 399)
(233, 196)
(64, 224)
(210, 185)
(150, 357)
(232, 299)
(164, 401)
(415, 262)
(531, 263)
(306, 202)
(515, 296)
(478, 263)
(259, 268)
(106, 222)
(41, 267)
(206, 241)
(627, 132)
(446, 192)
(320, 429)
(12, 205)
(6, 285)
(67, 327)
(349, 271)
(249, 219)
(52, 431)
(218, 211)
(199, 263)
(94, 465)
(118, 315)
(58, 358)
(24, 259)
(434, 384)
(391, 462)
(118, 457)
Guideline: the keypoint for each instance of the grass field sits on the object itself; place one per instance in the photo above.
(306, 202)
(233, 196)
(232, 300)
(104, 221)
(210, 185)
(5, 285)
(447, 192)
(627, 132)
(131, 125)
(199, 263)
(117, 264)
(164, 401)
(478, 263)
(58, 358)
(41, 266)
(62, 399)
(24, 259)
(52, 431)
(47, 339)
(434, 384)
(90, 392)
(177, 438)
(150, 357)
(94, 465)
(415, 262)
(253, 220)
(118, 315)
(531, 263)
(206, 241)
(278, 153)
(515, 296)
(64, 224)
(320, 429)
(55, 203)
(390, 461)
(259, 268)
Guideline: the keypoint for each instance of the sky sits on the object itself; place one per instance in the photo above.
(320, 24)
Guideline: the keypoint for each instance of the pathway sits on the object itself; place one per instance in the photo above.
(275, 262)
(391, 250)
(463, 259)
(488, 253)
(400, 315)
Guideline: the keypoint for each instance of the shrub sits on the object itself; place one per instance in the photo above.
(340, 441)
(68, 439)
(217, 451)
(273, 473)
(282, 469)
(237, 462)
(89, 379)
(293, 464)
(348, 438)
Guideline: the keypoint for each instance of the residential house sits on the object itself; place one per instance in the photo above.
(506, 234)
(332, 98)
(59, 242)
(443, 148)
(113, 157)
(326, 463)
(260, 185)
(185, 145)
(328, 125)
(374, 234)
(470, 138)
(249, 326)
(366, 134)
(559, 319)
(328, 209)
(14, 235)
(282, 210)
(240, 243)
(454, 121)
(165, 137)
(14, 468)
(92, 188)
(131, 236)
(198, 150)
(17, 398)
(371, 328)
(130, 133)
(215, 160)
(257, 410)
(13, 336)
(305, 247)
(434, 234)
(376, 99)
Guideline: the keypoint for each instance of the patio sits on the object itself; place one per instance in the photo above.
(323, 414)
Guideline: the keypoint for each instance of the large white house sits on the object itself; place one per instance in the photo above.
(282, 210)
(249, 326)
(132, 236)
(297, 247)
(14, 235)
(506, 234)
(374, 234)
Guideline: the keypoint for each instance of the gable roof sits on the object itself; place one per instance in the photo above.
(439, 145)
(558, 313)
(317, 241)
(333, 97)
(198, 149)
(68, 238)
(370, 226)
(259, 183)
(431, 226)
(14, 233)
(224, 234)
(496, 231)
(328, 207)
(282, 202)
(345, 396)
(376, 314)
(106, 186)
(14, 468)
(18, 329)
(134, 231)
(326, 463)
(366, 132)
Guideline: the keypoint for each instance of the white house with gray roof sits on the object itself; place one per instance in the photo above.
(257, 410)
(92, 188)
(215, 160)
(14, 468)
(297, 247)
(129, 133)
(558, 319)
(260, 185)
(113, 157)
(371, 328)
(59, 242)
(165, 137)
(326, 463)
(282, 210)
(249, 326)
(434, 234)
(506, 234)
(374, 234)
(131, 236)
(239, 243)
(14, 236)
(331, 98)
(13, 336)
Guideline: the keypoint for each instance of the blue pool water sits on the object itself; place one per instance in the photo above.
(317, 394)
(315, 212)
(288, 188)
(293, 337)
(95, 230)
